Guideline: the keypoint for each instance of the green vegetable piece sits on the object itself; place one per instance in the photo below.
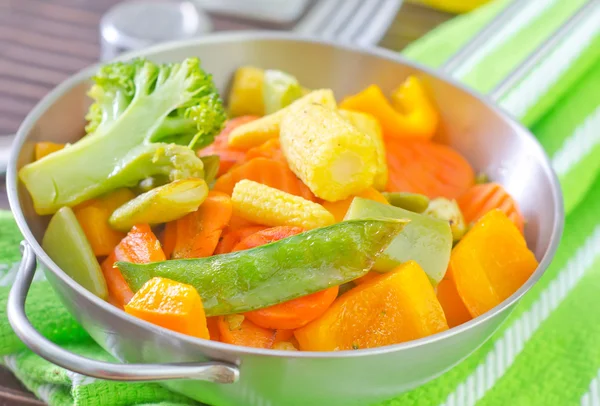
(277, 272)
(448, 210)
(426, 240)
(409, 201)
(279, 90)
(161, 205)
(145, 119)
(211, 167)
(482, 178)
(65, 242)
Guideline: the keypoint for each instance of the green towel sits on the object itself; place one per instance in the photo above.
(547, 352)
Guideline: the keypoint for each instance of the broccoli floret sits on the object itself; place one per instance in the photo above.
(145, 121)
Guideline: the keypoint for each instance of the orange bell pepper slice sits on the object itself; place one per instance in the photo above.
(171, 305)
(410, 115)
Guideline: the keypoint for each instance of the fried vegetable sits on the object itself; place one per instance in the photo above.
(280, 89)
(141, 111)
(408, 201)
(246, 94)
(490, 263)
(265, 128)
(278, 272)
(172, 305)
(140, 246)
(426, 240)
(327, 153)
(392, 308)
(263, 204)
(369, 125)
(65, 242)
(448, 210)
(161, 205)
(93, 217)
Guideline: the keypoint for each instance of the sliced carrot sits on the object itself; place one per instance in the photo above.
(268, 172)
(428, 168)
(295, 313)
(228, 156)
(46, 148)
(271, 149)
(140, 246)
(198, 233)
(231, 237)
(267, 236)
(239, 222)
(170, 304)
(283, 335)
(93, 217)
(236, 329)
(169, 238)
(339, 208)
(454, 308)
(212, 323)
(480, 199)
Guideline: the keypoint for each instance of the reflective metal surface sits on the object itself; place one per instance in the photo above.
(489, 139)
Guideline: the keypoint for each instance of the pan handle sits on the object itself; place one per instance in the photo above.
(217, 372)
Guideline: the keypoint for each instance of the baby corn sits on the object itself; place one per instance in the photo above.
(256, 132)
(246, 95)
(263, 204)
(369, 125)
(332, 157)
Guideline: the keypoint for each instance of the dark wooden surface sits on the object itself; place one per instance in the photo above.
(42, 42)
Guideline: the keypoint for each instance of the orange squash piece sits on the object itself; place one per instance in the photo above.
(171, 305)
(268, 172)
(45, 148)
(271, 149)
(339, 208)
(93, 217)
(236, 329)
(140, 246)
(454, 308)
(366, 278)
(394, 307)
(490, 263)
(197, 234)
(427, 168)
(480, 199)
(228, 156)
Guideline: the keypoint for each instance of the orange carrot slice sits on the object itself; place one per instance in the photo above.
(268, 172)
(339, 208)
(267, 236)
(295, 313)
(231, 237)
(171, 305)
(271, 149)
(480, 199)
(198, 233)
(140, 246)
(228, 156)
(454, 308)
(428, 168)
(46, 148)
(236, 329)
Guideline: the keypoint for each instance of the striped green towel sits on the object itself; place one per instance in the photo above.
(547, 353)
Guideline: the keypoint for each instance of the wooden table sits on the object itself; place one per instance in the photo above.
(42, 42)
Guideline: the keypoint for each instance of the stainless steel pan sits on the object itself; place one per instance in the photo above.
(223, 374)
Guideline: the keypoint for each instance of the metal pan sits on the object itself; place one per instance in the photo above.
(222, 374)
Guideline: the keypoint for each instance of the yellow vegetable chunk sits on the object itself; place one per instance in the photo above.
(332, 157)
(257, 132)
(369, 125)
(161, 205)
(171, 305)
(263, 204)
(246, 95)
